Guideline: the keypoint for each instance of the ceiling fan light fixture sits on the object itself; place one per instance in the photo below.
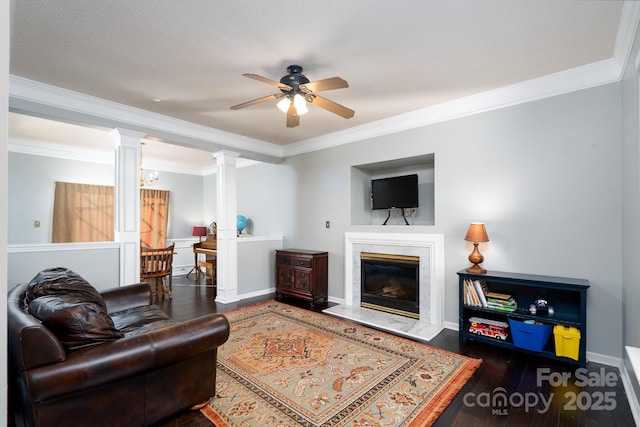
(283, 104)
(296, 91)
(300, 103)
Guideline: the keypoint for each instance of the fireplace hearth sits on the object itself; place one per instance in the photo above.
(429, 249)
(390, 283)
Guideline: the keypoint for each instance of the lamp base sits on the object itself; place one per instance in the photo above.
(475, 268)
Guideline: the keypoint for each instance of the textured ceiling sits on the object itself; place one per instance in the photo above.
(186, 59)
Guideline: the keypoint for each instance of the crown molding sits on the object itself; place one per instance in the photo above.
(584, 77)
(629, 20)
(83, 154)
(24, 91)
(38, 148)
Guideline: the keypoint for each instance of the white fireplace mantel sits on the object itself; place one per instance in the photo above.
(430, 249)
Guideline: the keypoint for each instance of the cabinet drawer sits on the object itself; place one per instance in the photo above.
(283, 260)
(301, 262)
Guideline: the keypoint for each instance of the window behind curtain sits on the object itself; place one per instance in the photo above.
(154, 215)
(85, 213)
(82, 213)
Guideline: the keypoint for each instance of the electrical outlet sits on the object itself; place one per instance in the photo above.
(410, 212)
(327, 224)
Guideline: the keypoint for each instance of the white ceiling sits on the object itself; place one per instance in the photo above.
(186, 59)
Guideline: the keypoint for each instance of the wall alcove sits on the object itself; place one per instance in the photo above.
(361, 176)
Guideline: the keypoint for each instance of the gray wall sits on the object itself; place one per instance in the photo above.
(31, 186)
(32, 182)
(97, 265)
(544, 177)
(631, 207)
(265, 196)
(185, 203)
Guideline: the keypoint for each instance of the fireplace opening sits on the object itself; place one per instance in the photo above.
(390, 283)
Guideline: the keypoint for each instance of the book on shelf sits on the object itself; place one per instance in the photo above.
(499, 295)
(471, 295)
(474, 293)
(477, 294)
(481, 292)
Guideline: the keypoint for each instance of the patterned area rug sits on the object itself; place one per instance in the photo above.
(284, 367)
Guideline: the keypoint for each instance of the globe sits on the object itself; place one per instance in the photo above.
(241, 223)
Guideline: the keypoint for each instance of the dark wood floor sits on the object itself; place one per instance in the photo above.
(594, 397)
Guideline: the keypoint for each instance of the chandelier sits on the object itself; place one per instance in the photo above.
(149, 179)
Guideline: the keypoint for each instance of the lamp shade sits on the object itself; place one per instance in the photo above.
(476, 233)
(199, 231)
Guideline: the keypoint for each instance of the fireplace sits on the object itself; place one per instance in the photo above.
(429, 249)
(390, 283)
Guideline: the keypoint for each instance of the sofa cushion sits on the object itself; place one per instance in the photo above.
(140, 320)
(71, 308)
(61, 280)
(75, 324)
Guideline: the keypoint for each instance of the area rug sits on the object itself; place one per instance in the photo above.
(284, 366)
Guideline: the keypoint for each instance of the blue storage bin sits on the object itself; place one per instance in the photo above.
(530, 336)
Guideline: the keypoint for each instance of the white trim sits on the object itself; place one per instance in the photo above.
(583, 77)
(60, 151)
(21, 89)
(629, 19)
(631, 394)
(255, 294)
(454, 326)
(59, 247)
(596, 74)
(250, 238)
(604, 359)
(632, 397)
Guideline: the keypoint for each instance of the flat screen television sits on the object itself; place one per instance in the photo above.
(395, 192)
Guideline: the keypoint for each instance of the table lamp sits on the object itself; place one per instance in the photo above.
(200, 232)
(476, 234)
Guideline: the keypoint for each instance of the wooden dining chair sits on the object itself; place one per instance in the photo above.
(157, 264)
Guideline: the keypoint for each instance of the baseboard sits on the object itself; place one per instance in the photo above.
(632, 398)
(336, 300)
(255, 294)
(604, 359)
(451, 325)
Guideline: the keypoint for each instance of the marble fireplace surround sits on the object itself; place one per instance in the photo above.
(430, 249)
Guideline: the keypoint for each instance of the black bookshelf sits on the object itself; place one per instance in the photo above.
(567, 296)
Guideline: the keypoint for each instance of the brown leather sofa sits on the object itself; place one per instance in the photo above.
(78, 357)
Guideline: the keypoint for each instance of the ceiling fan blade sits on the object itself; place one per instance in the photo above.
(332, 107)
(268, 81)
(293, 119)
(325, 84)
(257, 101)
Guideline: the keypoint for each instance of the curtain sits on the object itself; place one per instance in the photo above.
(82, 213)
(154, 215)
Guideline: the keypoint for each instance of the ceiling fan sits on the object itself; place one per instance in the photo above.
(296, 91)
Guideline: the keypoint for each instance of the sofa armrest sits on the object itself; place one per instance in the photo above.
(30, 343)
(189, 338)
(126, 297)
(128, 357)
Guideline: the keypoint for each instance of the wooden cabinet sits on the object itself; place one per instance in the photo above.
(566, 296)
(302, 274)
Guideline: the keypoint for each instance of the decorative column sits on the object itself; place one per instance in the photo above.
(127, 203)
(227, 241)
